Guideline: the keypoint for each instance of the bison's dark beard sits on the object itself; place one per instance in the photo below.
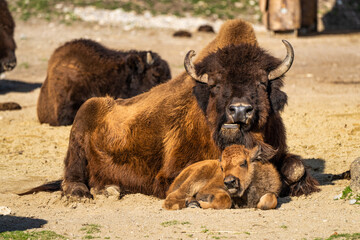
(226, 137)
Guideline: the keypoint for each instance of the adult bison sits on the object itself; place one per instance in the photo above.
(7, 43)
(82, 69)
(231, 96)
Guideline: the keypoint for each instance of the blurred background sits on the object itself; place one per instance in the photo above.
(276, 15)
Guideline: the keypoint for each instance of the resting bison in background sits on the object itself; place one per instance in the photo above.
(231, 96)
(82, 69)
(7, 42)
(242, 178)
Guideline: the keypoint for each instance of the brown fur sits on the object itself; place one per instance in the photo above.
(203, 182)
(141, 144)
(82, 69)
(7, 42)
(231, 32)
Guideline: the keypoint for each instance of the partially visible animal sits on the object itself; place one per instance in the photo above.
(232, 95)
(206, 28)
(243, 178)
(82, 69)
(7, 42)
(182, 33)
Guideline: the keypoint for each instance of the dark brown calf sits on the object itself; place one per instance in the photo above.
(82, 69)
(243, 178)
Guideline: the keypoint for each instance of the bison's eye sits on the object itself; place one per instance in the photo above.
(215, 89)
(244, 164)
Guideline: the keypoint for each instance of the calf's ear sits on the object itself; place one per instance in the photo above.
(262, 153)
(135, 63)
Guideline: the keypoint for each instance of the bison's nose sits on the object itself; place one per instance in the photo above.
(240, 113)
(230, 182)
(10, 64)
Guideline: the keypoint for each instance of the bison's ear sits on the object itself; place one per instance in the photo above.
(262, 153)
(278, 98)
(135, 63)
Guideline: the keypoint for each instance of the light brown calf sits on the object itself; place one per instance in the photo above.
(243, 178)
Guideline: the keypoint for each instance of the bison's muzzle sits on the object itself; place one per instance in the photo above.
(8, 63)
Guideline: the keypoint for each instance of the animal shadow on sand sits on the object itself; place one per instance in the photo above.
(317, 166)
(13, 223)
(7, 86)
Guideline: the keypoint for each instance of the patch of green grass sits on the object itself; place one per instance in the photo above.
(247, 233)
(24, 235)
(91, 228)
(224, 9)
(24, 65)
(204, 229)
(172, 223)
(348, 194)
(283, 227)
(342, 236)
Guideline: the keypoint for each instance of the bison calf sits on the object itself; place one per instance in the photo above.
(243, 178)
(82, 69)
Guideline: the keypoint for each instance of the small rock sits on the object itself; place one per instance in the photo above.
(4, 210)
(182, 33)
(355, 175)
(206, 28)
(352, 201)
(337, 197)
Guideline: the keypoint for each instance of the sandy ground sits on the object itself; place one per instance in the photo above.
(322, 120)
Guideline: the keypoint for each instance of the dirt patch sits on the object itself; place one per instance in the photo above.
(322, 120)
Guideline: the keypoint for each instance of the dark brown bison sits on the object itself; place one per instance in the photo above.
(243, 178)
(231, 96)
(82, 69)
(7, 42)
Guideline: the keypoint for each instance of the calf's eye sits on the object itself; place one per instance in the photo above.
(244, 164)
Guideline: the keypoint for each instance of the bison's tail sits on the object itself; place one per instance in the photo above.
(47, 187)
(306, 185)
(344, 175)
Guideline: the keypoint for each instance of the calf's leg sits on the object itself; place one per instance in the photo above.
(214, 198)
(267, 201)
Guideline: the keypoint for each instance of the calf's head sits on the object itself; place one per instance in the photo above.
(237, 88)
(238, 166)
(147, 70)
(7, 43)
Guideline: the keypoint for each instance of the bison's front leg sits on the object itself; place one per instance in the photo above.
(297, 180)
(76, 173)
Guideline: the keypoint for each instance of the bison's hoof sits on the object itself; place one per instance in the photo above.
(79, 190)
(193, 204)
(112, 191)
(293, 170)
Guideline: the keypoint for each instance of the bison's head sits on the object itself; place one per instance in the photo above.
(237, 88)
(238, 166)
(147, 69)
(7, 43)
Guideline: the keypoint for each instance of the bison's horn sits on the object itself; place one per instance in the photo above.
(190, 68)
(149, 59)
(285, 65)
